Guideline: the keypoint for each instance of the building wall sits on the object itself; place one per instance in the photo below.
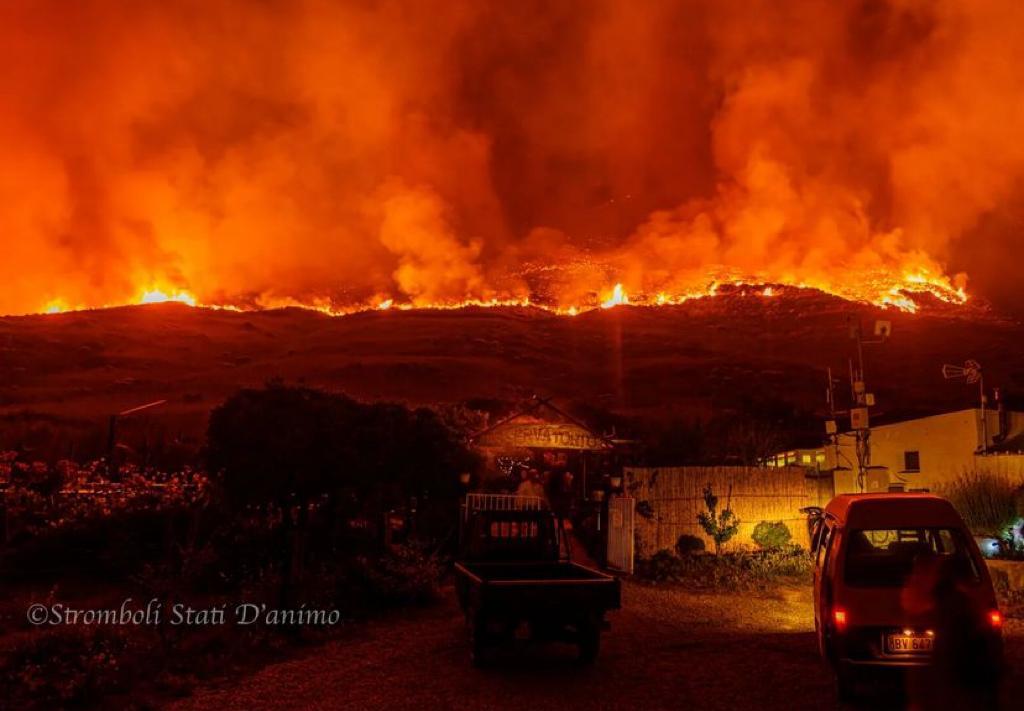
(947, 446)
(1007, 466)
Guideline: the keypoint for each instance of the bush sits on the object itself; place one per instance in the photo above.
(771, 535)
(729, 571)
(987, 503)
(68, 666)
(111, 547)
(688, 545)
(402, 576)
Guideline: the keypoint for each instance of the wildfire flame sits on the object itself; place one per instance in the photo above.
(158, 296)
(897, 296)
(617, 298)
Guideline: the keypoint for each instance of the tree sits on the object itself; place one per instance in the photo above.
(281, 450)
(719, 526)
(276, 449)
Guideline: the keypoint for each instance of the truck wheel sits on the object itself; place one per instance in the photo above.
(479, 654)
(589, 642)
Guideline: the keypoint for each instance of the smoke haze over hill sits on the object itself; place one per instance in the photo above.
(260, 153)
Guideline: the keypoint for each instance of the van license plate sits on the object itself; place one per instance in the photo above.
(909, 644)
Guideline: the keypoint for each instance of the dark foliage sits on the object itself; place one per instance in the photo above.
(687, 544)
(744, 433)
(288, 445)
(69, 666)
(731, 571)
(307, 457)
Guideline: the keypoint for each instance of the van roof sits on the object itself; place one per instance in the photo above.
(893, 510)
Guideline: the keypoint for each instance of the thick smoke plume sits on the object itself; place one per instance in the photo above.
(269, 152)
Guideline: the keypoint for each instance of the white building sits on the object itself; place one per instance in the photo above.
(930, 452)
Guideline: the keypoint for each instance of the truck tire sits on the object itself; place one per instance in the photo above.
(589, 642)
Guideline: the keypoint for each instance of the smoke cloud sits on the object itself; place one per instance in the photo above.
(308, 151)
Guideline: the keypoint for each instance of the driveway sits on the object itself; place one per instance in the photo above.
(668, 649)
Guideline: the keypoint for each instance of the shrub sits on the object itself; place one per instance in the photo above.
(68, 666)
(402, 576)
(730, 571)
(661, 567)
(771, 535)
(987, 503)
(688, 545)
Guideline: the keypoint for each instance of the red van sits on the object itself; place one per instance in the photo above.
(899, 582)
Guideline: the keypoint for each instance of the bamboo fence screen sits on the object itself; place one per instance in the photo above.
(668, 500)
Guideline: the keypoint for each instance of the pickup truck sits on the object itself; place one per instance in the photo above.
(514, 579)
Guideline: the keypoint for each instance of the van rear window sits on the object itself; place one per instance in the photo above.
(886, 557)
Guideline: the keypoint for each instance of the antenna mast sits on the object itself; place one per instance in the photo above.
(862, 400)
(971, 373)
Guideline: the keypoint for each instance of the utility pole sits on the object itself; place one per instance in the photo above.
(831, 429)
(861, 399)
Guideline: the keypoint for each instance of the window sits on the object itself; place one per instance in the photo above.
(912, 461)
(888, 557)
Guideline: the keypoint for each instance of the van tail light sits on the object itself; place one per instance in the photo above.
(995, 619)
(840, 618)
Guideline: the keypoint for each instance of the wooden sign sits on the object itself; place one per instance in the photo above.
(541, 435)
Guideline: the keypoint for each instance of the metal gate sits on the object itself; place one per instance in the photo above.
(501, 502)
(621, 510)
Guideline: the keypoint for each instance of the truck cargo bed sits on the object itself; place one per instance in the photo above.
(525, 573)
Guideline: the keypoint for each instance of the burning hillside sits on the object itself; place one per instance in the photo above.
(350, 156)
(62, 375)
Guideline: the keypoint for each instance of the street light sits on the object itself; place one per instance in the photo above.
(112, 426)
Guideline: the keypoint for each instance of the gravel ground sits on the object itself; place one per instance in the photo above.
(668, 648)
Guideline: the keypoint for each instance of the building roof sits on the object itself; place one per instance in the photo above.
(934, 415)
(1010, 445)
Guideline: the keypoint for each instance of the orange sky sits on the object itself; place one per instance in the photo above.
(253, 153)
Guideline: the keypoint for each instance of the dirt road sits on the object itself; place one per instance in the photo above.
(667, 648)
